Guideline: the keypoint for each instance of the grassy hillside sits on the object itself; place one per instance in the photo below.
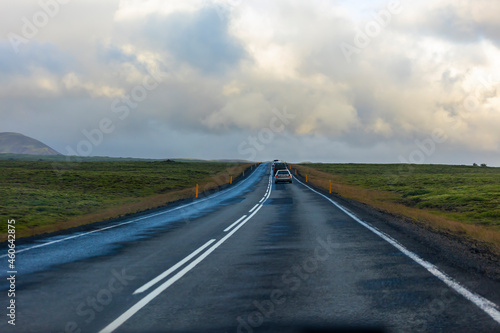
(15, 143)
(463, 199)
(43, 199)
(63, 158)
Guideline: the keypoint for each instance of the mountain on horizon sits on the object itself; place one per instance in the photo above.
(16, 143)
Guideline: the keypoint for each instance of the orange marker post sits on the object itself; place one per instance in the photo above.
(197, 190)
(330, 187)
(231, 180)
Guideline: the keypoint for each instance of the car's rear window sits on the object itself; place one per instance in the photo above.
(282, 172)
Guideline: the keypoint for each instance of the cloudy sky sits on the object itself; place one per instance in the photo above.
(317, 80)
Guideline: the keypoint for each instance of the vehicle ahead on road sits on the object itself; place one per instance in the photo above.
(279, 166)
(283, 176)
(274, 163)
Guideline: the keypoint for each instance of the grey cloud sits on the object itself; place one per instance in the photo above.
(201, 39)
(113, 54)
(447, 22)
(459, 22)
(33, 55)
(449, 80)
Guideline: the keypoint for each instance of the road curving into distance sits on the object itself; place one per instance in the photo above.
(247, 259)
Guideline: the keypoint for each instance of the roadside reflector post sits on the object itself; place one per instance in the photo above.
(251, 167)
(306, 178)
(295, 172)
(330, 187)
(243, 173)
(197, 190)
(231, 180)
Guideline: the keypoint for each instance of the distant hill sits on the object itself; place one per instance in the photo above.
(15, 143)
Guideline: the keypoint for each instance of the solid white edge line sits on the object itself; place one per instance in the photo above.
(484, 304)
(172, 269)
(148, 298)
(235, 223)
(128, 222)
(251, 210)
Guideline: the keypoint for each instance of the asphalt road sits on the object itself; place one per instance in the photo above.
(255, 257)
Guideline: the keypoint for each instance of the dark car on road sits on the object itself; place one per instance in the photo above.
(279, 166)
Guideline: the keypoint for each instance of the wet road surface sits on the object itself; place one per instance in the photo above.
(253, 255)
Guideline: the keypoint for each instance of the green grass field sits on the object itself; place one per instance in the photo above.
(464, 193)
(34, 194)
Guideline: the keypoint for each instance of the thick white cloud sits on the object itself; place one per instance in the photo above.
(408, 71)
